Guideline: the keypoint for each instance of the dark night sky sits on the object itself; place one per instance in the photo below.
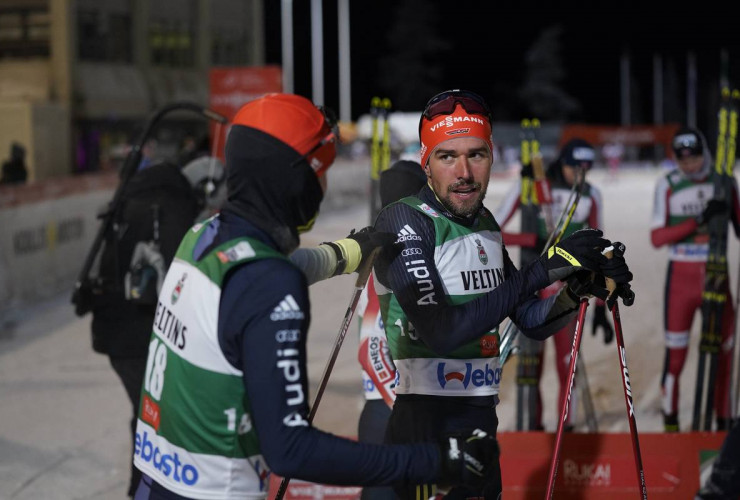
(489, 47)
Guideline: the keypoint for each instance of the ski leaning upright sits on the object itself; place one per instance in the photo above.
(536, 203)
(380, 149)
(528, 365)
(374, 158)
(716, 276)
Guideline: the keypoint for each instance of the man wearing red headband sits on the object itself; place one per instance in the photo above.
(450, 282)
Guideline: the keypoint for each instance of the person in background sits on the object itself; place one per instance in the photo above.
(575, 159)
(157, 208)
(450, 283)
(403, 178)
(14, 169)
(682, 207)
(724, 481)
(226, 385)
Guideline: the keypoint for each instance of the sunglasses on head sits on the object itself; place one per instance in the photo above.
(444, 103)
(330, 118)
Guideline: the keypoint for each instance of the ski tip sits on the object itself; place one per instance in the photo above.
(535, 122)
(736, 93)
(525, 123)
(375, 102)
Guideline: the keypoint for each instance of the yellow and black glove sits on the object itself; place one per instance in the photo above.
(352, 251)
(582, 250)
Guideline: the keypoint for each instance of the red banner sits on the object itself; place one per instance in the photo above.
(633, 135)
(592, 466)
(602, 466)
(232, 87)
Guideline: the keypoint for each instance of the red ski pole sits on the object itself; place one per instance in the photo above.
(564, 410)
(628, 297)
(628, 400)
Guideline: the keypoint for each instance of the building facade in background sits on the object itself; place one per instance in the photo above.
(78, 78)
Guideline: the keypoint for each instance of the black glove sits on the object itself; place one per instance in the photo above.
(580, 250)
(600, 321)
(713, 207)
(467, 458)
(353, 250)
(616, 267)
(586, 284)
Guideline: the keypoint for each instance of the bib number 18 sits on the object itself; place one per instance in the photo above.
(155, 364)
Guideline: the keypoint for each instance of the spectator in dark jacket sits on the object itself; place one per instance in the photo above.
(14, 169)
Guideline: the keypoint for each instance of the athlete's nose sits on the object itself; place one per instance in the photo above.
(462, 167)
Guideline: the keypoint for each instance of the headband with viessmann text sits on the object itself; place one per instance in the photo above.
(452, 126)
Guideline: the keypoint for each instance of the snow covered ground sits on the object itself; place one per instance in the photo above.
(64, 415)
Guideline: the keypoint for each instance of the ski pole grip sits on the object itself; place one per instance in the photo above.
(611, 285)
(628, 296)
(363, 273)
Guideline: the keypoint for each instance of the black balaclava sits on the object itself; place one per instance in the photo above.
(271, 185)
(277, 147)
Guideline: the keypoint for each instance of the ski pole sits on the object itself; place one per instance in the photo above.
(628, 298)
(571, 377)
(566, 402)
(510, 331)
(585, 391)
(628, 398)
(735, 360)
(362, 276)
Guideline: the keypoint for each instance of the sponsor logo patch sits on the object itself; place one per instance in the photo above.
(150, 412)
(178, 288)
(482, 256)
(428, 210)
(406, 234)
(170, 466)
(287, 309)
(287, 335)
(489, 347)
(458, 131)
(476, 377)
(241, 250)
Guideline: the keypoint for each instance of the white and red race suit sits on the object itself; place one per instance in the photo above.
(378, 370)
(677, 202)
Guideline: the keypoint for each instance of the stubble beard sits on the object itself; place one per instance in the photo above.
(464, 211)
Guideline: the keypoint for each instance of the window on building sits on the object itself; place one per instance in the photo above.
(24, 31)
(171, 43)
(103, 35)
(172, 33)
(231, 33)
